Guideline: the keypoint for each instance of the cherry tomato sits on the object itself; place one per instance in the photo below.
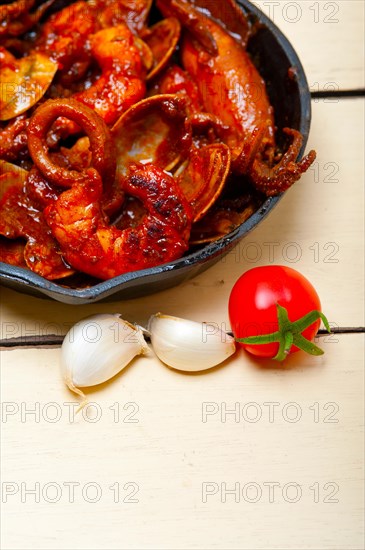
(254, 306)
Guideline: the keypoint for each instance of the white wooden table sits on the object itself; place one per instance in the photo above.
(249, 455)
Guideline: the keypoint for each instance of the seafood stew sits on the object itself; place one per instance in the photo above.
(122, 191)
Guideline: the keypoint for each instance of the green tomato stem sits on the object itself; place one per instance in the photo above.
(290, 334)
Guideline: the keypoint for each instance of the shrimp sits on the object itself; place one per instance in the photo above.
(15, 18)
(113, 12)
(122, 80)
(64, 39)
(90, 245)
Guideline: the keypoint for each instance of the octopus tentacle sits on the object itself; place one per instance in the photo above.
(278, 178)
(285, 175)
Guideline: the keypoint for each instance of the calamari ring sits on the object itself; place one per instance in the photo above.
(103, 157)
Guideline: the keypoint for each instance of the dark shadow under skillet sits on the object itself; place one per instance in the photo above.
(290, 97)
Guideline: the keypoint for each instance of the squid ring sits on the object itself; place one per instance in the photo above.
(103, 158)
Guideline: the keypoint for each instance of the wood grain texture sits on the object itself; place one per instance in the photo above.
(151, 433)
(328, 38)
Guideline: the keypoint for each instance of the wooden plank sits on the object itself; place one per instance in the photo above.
(317, 228)
(169, 443)
(328, 37)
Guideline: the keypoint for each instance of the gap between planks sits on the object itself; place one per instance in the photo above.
(54, 340)
(323, 94)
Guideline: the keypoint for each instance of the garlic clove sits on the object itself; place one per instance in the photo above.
(188, 345)
(97, 348)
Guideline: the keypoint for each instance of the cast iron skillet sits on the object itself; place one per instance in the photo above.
(274, 55)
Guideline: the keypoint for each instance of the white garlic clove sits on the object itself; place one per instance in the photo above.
(96, 348)
(187, 345)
